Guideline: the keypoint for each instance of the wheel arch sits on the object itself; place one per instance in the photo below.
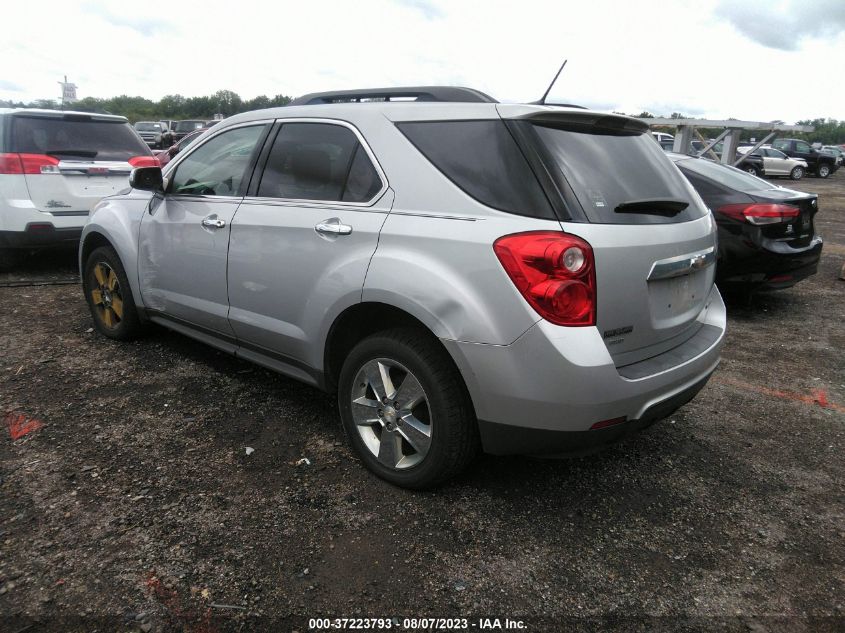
(356, 323)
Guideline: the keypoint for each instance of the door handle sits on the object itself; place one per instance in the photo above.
(213, 222)
(332, 226)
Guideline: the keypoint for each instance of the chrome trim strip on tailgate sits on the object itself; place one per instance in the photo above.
(683, 265)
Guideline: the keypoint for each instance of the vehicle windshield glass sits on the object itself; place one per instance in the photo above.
(723, 174)
(76, 138)
(607, 168)
(188, 126)
(148, 127)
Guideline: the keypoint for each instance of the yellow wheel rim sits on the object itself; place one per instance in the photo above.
(106, 296)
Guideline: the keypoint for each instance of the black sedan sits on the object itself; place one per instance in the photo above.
(766, 235)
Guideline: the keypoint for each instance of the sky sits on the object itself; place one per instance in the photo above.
(757, 60)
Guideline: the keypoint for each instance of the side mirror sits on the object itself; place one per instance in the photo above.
(147, 179)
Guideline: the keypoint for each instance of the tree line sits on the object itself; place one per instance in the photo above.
(227, 103)
(176, 107)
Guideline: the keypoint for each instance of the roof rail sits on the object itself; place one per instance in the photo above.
(418, 93)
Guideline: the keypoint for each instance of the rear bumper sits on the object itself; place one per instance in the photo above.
(767, 268)
(544, 392)
(40, 235)
(505, 439)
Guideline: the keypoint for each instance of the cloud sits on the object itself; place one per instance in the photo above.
(10, 86)
(427, 8)
(144, 25)
(786, 25)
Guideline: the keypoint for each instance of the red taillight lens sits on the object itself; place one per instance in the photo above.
(28, 164)
(554, 272)
(144, 161)
(10, 164)
(760, 213)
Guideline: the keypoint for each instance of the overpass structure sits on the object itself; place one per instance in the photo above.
(686, 130)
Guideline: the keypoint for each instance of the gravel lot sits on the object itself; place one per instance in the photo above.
(136, 507)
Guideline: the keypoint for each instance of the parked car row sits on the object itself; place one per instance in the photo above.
(163, 134)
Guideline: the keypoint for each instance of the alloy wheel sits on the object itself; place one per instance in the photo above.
(107, 296)
(391, 413)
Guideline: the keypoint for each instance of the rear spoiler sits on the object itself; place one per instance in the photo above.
(565, 117)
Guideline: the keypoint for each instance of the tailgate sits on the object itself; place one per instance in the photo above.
(652, 283)
(653, 239)
(71, 160)
(72, 187)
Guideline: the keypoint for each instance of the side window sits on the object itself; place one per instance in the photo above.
(218, 167)
(781, 145)
(318, 161)
(482, 159)
(800, 146)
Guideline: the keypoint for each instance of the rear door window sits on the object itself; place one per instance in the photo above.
(606, 168)
(218, 167)
(319, 161)
(75, 137)
(482, 158)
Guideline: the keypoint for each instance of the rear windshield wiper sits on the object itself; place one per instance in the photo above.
(653, 206)
(84, 153)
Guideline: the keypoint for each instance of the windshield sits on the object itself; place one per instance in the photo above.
(610, 168)
(188, 126)
(729, 176)
(76, 138)
(142, 126)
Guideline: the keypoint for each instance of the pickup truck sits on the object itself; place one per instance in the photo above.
(818, 163)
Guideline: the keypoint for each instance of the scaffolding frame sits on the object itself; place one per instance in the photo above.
(686, 129)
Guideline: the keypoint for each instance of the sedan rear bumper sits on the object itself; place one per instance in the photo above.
(770, 269)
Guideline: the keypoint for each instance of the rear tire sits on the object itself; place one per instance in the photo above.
(797, 173)
(752, 169)
(109, 296)
(406, 410)
(823, 170)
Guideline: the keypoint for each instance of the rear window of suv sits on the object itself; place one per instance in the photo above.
(606, 168)
(75, 138)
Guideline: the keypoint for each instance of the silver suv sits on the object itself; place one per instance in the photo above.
(464, 274)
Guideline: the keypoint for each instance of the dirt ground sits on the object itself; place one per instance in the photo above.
(136, 507)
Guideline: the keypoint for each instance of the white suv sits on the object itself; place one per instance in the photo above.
(54, 166)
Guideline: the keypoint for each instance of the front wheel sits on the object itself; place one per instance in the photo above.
(823, 171)
(406, 410)
(797, 173)
(109, 296)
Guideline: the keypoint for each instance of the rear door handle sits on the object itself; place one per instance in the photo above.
(333, 226)
(213, 222)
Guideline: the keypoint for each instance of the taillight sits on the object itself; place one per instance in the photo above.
(555, 273)
(28, 164)
(144, 161)
(760, 213)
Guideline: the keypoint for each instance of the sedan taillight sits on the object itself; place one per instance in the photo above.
(759, 214)
(555, 272)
